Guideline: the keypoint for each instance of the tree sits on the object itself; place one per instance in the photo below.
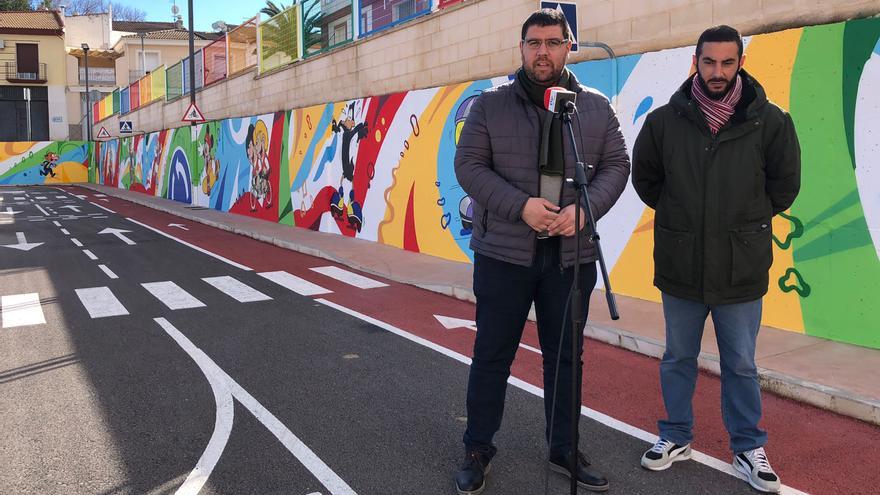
(121, 12)
(311, 21)
(15, 5)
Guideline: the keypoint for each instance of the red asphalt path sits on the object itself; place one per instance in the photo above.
(813, 450)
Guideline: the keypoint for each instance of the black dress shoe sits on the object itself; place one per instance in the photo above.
(471, 477)
(587, 477)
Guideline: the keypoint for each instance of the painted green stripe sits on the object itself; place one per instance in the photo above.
(835, 256)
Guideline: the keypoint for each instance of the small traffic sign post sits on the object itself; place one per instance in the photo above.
(193, 114)
(569, 10)
(103, 134)
(125, 127)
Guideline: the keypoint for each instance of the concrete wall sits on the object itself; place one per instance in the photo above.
(478, 39)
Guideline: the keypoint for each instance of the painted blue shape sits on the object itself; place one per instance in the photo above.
(597, 73)
(303, 173)
(326, 157)
(179, 184)
(643, 108)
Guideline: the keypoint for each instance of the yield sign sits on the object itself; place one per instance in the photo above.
(103, 134)
(193, 114)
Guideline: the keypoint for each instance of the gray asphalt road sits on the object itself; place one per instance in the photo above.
(118, 405)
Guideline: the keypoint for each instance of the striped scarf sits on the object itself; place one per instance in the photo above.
(717, 112)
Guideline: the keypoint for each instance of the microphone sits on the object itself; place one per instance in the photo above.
(558, 99)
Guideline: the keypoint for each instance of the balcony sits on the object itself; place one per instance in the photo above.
(98, 76)
(13, 74)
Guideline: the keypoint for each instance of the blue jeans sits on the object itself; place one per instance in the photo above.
(736, 329)
(505, 293)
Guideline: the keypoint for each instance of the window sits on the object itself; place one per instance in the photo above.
(367, 18)
(151, 59)
(27, 60)
(403, 10)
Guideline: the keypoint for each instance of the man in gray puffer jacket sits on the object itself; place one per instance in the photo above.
(513, 161)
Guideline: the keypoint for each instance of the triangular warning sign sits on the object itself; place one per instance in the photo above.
(193, 114)
(103, 134)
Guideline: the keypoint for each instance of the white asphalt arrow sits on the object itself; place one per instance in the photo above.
(23, 244)
(178, 225)
(449, 323)
(119, 233)
(75, 209)
(9, 211)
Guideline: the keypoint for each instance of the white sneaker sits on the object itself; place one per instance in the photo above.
(756, 467)
(663, 454)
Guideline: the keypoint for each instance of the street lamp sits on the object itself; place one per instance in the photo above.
(85, 47)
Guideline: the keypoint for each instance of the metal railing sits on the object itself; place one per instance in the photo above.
(13, 74)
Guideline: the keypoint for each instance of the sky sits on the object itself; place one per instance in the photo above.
(206, 11)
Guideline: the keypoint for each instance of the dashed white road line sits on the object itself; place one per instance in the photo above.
(237, 290)
(100, 302)
(193, 246)
(348, 277)
(299, 285)
(108, 271)
(19, 310)
(220, 381)
(172, 295)
(528, 387)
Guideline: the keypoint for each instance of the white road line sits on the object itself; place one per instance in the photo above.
(348, 277)
(76, 242)
(108, 271)
(604, 419)
(237, 290)
(102, 207)
(171, 295)
(19, 310)
(100, 302)
(44, 212)
(300, 286)
(90, 254)
(205, 251)
(65, 232)
(325, 475)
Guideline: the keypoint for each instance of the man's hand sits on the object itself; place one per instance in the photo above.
(564, 223)
(539, 214)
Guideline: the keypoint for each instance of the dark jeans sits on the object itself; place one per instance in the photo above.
(505, 293)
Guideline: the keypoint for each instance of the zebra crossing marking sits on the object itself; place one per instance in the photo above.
(100, 302)
(20, 310)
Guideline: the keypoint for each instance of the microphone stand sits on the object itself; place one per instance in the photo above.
(580, 183)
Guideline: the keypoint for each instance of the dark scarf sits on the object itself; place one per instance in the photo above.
(551, 156)
(717, 112)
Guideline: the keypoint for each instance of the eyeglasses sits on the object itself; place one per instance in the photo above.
(552, 44)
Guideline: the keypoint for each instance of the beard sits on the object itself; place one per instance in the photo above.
(551, 79)
(715, 95)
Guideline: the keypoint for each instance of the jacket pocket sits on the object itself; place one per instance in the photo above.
(674, 255)
(751, 253)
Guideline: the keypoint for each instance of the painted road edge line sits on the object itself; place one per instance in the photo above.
(604, 419)
(325, 475)
(197, 248)
(102, 207)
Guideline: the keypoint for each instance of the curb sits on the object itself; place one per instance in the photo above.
(824, 397)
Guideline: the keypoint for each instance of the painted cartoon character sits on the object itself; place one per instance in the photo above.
(157, 168)
(257, 145)
(212, 164)
(50, 161)
(350, 131)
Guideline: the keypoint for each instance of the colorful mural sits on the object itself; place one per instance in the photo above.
(45, 162)
(381, 168)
